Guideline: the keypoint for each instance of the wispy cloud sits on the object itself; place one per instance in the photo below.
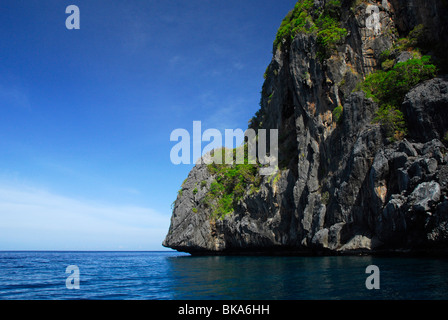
(40, 220)
(13, 96)
(175, 61)
(222, 114)
(135, 32)
(238, 65)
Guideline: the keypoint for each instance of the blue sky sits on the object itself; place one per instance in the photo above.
(86, 115)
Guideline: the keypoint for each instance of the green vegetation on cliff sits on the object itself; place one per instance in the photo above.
(389, 85)
(232, 182)
(337, 113)
(324, 22)
(389, 88)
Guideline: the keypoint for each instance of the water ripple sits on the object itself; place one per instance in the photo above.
(170, 275)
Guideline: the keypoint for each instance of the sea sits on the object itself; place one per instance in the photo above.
(38, 275)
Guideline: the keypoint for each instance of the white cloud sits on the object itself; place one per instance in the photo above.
(175, 61)
(223, 114)
(33, 219)
(135, 32)
(238, 66)
(14, 96)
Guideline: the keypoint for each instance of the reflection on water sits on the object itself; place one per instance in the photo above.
(171, 275)
(287, 278)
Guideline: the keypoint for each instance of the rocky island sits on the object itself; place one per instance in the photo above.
(358, 93)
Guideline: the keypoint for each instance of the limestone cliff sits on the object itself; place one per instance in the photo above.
(345, 185)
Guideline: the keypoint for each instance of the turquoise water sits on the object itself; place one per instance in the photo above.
(176, 276)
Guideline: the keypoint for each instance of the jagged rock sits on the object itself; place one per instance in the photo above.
(344, 187)
(358, 243)
(425, 196)
(320, 239)
(404, 56)
(426, 108)
(407, 148)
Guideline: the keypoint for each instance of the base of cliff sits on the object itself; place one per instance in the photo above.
(441, 251)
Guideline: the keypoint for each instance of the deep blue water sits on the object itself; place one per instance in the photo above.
(170, 275)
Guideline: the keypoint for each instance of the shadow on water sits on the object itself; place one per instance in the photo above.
(306, 278)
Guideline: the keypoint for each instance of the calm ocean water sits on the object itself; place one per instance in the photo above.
(170, 275)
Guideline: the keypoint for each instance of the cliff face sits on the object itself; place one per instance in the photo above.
(344, 185)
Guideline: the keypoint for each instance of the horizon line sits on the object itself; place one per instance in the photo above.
(24, 250)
